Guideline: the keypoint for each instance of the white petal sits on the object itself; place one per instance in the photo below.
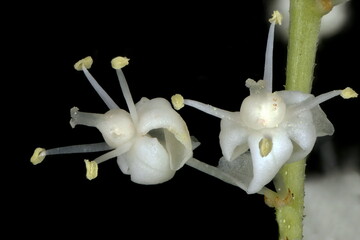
(265, 168)
(302, 132)
(157, 113)
(123, 165)
(293, 97)
(322, 124)
(148, 162)
(240, 168)
(233, 139)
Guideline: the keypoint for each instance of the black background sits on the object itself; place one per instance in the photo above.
(205, 52)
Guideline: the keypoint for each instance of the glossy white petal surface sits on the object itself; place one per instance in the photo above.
(233, 139)
(322, 124)
(265, 168)
(302, 132)
(147, 162)
(157, 113)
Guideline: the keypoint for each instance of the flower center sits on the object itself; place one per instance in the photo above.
(263, 110)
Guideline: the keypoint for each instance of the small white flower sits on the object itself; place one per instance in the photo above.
(271, 128)
(151, 141)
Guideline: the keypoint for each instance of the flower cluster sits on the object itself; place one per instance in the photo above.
(151, 141)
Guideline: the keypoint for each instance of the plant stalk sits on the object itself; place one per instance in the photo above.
(304, 28)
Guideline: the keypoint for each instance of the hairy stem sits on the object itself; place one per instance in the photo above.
(305, 19)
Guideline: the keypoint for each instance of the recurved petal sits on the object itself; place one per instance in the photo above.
(302, 132)
(123, 165)
(266, 167)
(322, 124)
(158, 114)
(239, 168)
(233, 139)
(147, 162)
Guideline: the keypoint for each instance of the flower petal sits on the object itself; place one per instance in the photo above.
(293, 97)
(157, 113)
(147, 162)
(322, 124)
(123, 165)
(233, 139)
(265, 168)
(240, 168)
(304, 127)
(302, 132)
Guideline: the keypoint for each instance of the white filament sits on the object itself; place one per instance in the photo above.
(127, 95)
(269, 59)
(83, 148)
(217, 112)
(112, 154)
(313, 102)
(104, 96)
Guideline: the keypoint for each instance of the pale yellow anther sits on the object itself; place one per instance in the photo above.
(119, 62)
(86, 62)
(276, 17)
(38, 156)
(348, 93)
(91, 169)
(265, 146)
(177, 101)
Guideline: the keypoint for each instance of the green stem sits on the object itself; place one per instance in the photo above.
(305, 19)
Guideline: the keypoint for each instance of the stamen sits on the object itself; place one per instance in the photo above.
(38, 156)
(217, 112)
(265, 146)
(312, 102)
(82, 148)
(177, 101)
(101, 92)
(41, 153)
(91, 169)
(268, 75)
(276, 17)
(268, 69)
(112, 154)
(118, 63)
(85, 64)
(84, 118)
(348, 93)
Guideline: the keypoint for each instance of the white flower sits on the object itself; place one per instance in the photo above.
(151, 141)
(271, 128)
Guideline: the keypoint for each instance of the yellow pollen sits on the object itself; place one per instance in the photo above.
(38, 156)
(177, 101)
(119, 62)
(265, 146)
(348, 93)
(91, 169)
(276, 17)
(86, 62)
